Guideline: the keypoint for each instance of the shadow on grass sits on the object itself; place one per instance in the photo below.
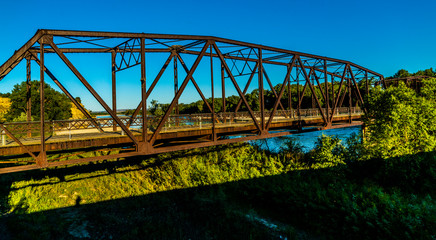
(206, 212)
(111, 166)
(319, 201)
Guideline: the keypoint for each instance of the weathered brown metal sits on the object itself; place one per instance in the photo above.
(241, 95)
(93, 92)
(300, 99)
(179, 93)
(132, 50)
(15, 59)
(9, 134)
(29, 93)
(194, 82)
(144, 147)
(176, 83)
(312, 90)
(41, 160)
(339, 93)
(64, 90)
(261, 92)
(326, 82)
(279, 97)
(319, 86)
(114, 86)
(272, 88)
(357, 89)
(189, 37)
(223, 89)
(238, 105)
(214, 137)
(153, 84)
(350, 101)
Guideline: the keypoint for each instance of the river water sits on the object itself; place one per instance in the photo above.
(308, 139)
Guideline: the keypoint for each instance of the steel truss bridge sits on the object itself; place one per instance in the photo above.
(207, 64)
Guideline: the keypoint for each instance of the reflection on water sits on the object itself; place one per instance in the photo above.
(307, 139)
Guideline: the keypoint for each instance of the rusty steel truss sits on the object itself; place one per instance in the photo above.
(413, 82)
(335, 79)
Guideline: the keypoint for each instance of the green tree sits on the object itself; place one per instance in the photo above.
(401, 73)
(57, 105)
(401, 122)
(156, 108)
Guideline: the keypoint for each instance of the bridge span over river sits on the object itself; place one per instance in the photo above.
(215, 68)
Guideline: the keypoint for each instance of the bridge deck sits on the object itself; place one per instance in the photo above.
(63, 140)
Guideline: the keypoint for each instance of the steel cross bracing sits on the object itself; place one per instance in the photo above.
(280, 80)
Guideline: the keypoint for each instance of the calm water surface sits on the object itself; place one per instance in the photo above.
(308, 139)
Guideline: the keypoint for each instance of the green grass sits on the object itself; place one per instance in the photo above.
(224, 192)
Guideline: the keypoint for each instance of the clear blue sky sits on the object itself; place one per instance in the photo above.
(384, 36)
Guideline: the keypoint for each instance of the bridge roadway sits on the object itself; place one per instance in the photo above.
(195, 129)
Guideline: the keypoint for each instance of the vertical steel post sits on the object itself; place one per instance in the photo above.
(114, 89)
(327, 101)
(29, 95)
(367, 84)
(143, 93)
(261, 92)
(333, 95)
(313, 83)
(350, 103)
(42, 157)
(176, 84)
(223, 88)
(299, 97)
(213, 97)
(289, 97)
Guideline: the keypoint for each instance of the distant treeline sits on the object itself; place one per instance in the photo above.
(252, 98)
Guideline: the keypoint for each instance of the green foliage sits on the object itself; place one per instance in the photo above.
(22, 118)
(428, 90)
(222, 192)
(57, 105)
(400, 122)
(401, 73)
(328, 152)
(379, 199)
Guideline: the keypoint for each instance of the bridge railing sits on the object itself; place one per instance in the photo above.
(25, 130)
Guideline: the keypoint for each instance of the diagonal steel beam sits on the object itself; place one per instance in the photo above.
(300, 100)
(357, 88)
(13, 61)
(319, 86)
(155, 81)
(93, 92)
(273, 89)
(179, 93)
(246, 87)
(73, 100)
(282, 90)
(194, 82)
(343, 95)
(312, 90)
(17, 141)
(220, 55)
(339, 93)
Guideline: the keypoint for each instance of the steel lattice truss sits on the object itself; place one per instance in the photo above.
(336, 80)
